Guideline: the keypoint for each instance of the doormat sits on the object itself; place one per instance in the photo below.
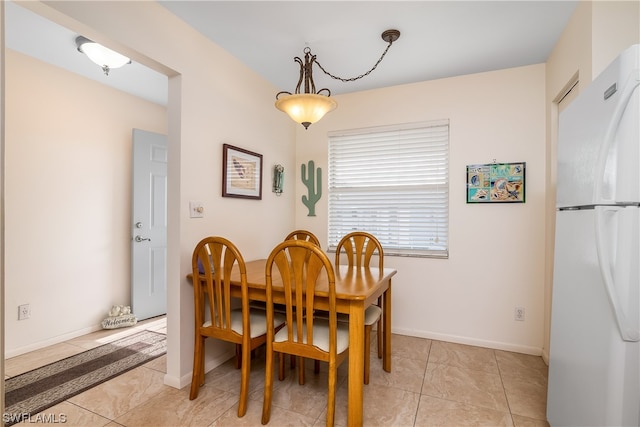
(34, 391)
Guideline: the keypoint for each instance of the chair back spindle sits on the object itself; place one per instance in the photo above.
(359, 247)
(303, 235)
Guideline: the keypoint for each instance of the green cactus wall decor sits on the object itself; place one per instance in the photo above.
(314, 190)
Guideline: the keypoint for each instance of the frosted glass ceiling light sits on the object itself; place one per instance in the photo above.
(309, 107)
(106, 58)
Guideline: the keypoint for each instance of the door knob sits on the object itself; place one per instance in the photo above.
(141, 239)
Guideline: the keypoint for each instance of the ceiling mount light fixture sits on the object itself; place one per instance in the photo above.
(106, 58)
(309, 107)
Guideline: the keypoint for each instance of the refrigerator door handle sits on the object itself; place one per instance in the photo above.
(630, 85)
(628, 331)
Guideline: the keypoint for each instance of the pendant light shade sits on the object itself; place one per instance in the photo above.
(106, 58)
(306, 108)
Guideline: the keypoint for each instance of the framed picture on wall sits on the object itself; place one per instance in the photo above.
(241, 173)
(496, 183)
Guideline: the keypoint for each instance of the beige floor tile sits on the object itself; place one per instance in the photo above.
(159, 364)
(35, 359)
(439, 412)
(343, 369)
(463, 356)
(101, 337)
(322, 423)
(119, 395)
(406, 374)
(525, 397)
(157, 324)
(461, 385)
(524, 366)
(520, 421)
(382, 406)
(226, 377)
(105, 336)
(469, 386)
(69, 415)
(173, 408)
(309, 399)
(279, 417)
(405, 346)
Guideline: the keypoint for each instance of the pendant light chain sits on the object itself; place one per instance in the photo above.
(361, 75)
(309, 107)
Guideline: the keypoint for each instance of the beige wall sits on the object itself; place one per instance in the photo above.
(496, 251)
(213, 99)
(68, 199)
(596, 34)
(616, 26)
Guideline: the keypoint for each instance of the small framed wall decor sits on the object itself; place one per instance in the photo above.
(496, 183)
(241, 173)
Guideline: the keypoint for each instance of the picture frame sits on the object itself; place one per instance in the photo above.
(496, 183)
(241, 173)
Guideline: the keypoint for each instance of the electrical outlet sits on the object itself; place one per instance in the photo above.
(24, 312)
(519, 314)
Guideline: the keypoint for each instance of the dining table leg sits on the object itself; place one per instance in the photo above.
(356, 363)
(386, 329)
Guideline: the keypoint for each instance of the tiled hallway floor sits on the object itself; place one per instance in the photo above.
(432, 383)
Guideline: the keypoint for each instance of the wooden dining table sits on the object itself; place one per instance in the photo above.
(356, 289)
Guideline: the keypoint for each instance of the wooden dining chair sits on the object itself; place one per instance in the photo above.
(299, 264)
(213, 260)
(308, 236)
(359, 247)
(303, 235)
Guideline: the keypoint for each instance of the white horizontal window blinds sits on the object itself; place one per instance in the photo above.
(392, 182)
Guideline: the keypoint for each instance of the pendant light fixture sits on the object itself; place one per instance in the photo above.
(309, 107)
(106, 58)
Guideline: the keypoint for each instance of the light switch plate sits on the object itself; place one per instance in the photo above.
(196, 209)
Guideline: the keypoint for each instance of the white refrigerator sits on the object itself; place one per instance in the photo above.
(594, 354)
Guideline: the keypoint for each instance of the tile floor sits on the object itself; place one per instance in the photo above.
(432, 383)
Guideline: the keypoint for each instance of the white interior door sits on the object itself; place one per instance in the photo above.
(149, 225)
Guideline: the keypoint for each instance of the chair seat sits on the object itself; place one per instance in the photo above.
(320, 335)
(257, 319)
(277, 308)
(371, 315)
(258, 304)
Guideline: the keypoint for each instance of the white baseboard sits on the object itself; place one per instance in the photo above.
(496, 345)
(545, 356)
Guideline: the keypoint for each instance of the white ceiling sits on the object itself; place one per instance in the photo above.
(438, 39)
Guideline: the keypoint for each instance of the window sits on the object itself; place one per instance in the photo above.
(392, 182)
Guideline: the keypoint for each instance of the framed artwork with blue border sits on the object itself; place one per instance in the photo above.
(496, 183)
